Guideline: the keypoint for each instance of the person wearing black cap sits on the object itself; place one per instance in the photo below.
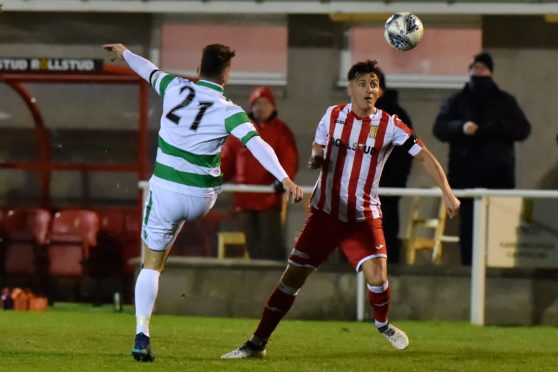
(481, 124)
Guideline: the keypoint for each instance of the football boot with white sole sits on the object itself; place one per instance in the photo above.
(395, 336)
(248, 350)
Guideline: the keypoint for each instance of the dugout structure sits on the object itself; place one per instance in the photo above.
(83, 134)
(77, 140)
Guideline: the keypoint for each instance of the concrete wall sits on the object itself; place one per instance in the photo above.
(240, 288)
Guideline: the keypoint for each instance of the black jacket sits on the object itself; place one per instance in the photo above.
(486, 159)
(397, 168)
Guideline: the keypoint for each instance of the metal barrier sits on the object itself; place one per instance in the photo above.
(478, 268)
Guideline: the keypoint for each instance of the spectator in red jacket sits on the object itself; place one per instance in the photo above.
(261, 213)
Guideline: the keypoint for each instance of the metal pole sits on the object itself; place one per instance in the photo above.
(478, 270)
(360, 293)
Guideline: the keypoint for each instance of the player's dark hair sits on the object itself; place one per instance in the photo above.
(215, 59)
(364, 67)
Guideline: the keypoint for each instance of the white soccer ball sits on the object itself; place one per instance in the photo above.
(403, 31)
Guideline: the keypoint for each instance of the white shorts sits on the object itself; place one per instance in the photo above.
(166, 210)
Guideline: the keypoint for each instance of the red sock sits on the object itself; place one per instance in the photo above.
(380, 304)
(277, 306)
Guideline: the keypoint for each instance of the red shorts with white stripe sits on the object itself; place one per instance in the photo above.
(322, 233)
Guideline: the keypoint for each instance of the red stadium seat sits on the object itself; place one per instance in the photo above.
(106, 259)
(110, 243)
(73, 235)
(26, 234)
(111, 220)
(120, 230)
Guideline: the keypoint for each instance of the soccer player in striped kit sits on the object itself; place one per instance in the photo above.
(351, 145)
(196, 120)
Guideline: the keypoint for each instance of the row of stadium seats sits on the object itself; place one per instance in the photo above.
(37, 245)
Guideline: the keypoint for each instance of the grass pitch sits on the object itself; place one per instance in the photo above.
(73, 337)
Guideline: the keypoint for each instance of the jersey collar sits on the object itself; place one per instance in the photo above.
(210, 85)
(372, 115)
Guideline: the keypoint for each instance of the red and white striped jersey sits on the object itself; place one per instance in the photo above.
(355, 152)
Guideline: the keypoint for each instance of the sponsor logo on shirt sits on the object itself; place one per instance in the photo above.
(355, 146)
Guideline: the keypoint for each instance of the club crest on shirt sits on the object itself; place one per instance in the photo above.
(373, 131)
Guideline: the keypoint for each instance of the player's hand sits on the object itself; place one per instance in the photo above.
(470, 128)
(293, 190)
(118, 49)
(315, 162)
(451, 203)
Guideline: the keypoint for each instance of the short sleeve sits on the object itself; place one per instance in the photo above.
(239, 125)
(321, 131)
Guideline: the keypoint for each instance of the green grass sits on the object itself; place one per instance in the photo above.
(72, 337)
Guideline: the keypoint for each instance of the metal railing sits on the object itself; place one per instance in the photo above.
(478, 268)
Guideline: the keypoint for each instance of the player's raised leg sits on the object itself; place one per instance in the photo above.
(164, 215)
(379, 297)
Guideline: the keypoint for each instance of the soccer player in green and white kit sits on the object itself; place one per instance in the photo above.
(196, 119)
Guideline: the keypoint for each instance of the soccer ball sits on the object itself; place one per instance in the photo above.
(403, 30)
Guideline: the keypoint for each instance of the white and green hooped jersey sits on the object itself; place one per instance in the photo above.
(196, 120)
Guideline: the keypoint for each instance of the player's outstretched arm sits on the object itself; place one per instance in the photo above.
(434, 169)
(141, 66)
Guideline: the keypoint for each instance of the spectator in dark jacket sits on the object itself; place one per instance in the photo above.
(395, 173)
(481, 124)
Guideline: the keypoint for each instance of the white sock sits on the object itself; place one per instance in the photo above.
(380, 324)
(147, 286)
